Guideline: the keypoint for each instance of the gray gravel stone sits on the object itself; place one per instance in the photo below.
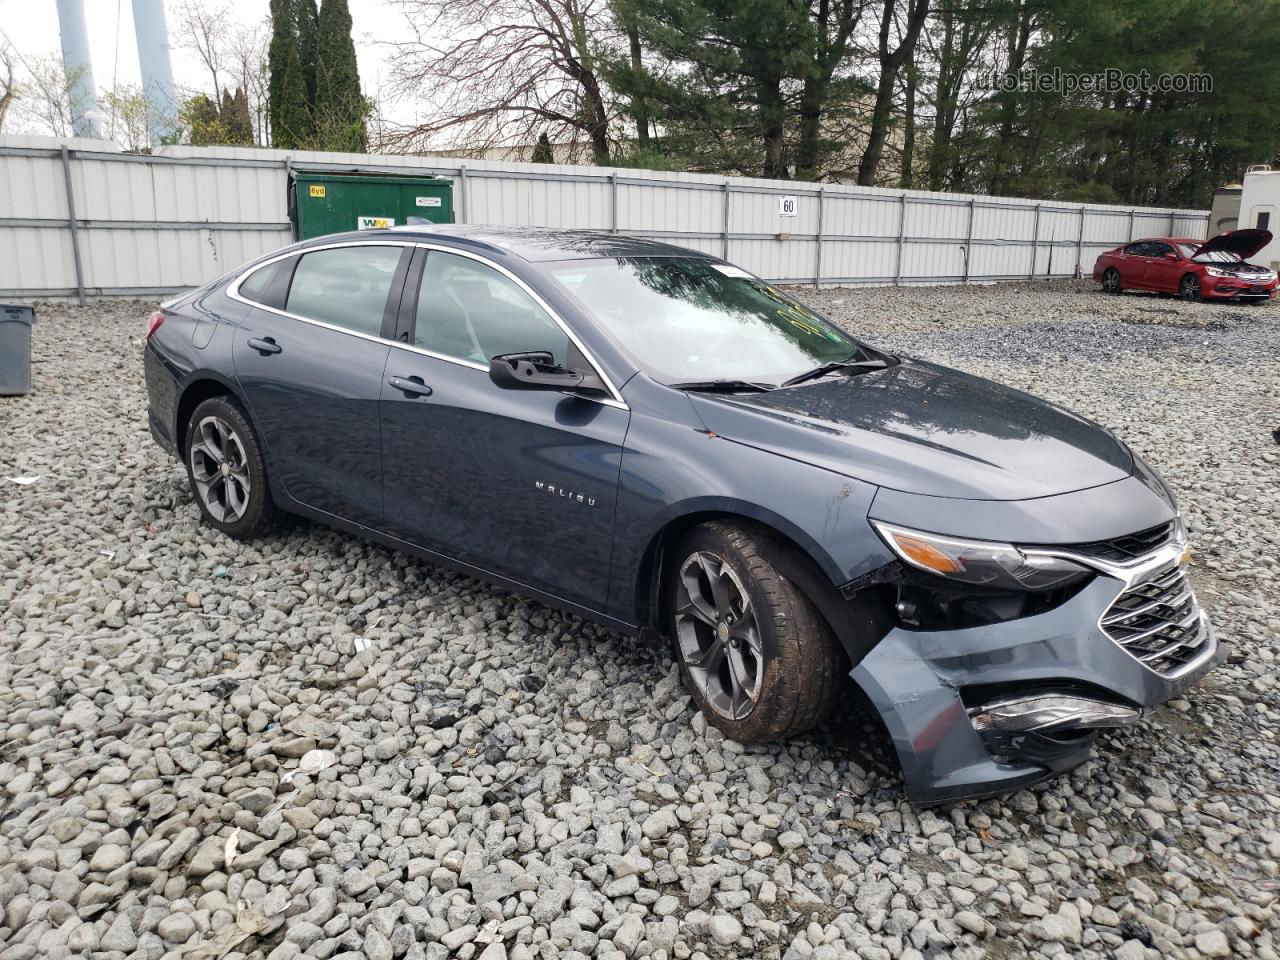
(506, 774)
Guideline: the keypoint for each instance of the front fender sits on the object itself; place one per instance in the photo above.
(673, 468)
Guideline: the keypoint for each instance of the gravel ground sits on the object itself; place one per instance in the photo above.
(509, 782)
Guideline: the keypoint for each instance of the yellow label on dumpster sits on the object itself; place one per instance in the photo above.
(317, 190)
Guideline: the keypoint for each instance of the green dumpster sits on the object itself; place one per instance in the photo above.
(324, 204)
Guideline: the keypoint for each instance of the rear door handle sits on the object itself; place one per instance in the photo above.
(265, 345)
(410, 386)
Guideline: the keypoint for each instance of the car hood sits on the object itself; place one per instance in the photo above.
(925, 429)
(1243, 243)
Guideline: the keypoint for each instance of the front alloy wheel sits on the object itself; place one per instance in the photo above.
(754, 653)
(1189, 289)
(718, 636)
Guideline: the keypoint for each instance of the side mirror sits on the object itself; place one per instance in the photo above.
(537, 371)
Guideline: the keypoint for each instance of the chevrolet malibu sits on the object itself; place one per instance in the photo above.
(661, 442)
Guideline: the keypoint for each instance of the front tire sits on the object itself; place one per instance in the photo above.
(226, 469)
(1189, 288)
(754, 653)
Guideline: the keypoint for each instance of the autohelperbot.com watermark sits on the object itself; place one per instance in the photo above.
(1112, 80)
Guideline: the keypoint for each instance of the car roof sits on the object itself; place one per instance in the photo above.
(528, 243)
(1166, 240)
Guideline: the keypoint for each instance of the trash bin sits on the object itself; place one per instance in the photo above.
(16, 321)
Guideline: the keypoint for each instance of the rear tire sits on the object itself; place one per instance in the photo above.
(226, 469)
(754, 653)
(1111, 282)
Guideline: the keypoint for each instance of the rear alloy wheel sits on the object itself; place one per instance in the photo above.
(1189, 289)
(754, 653)
(226, 470)
(1111, 280)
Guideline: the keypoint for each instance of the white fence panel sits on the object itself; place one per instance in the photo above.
(151, 224)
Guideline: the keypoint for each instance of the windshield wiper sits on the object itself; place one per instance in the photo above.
(727, 386)
(834, 365)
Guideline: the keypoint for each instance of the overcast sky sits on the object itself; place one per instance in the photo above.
(32, 29)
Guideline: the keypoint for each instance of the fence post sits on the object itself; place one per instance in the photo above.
(1035, 244)
(71, 222)
(724, 225)
(902, 236)
(460, 208)
(290, 203)
(817, 250)
(1131, 212)
(1172, 222)
(613, 201)
(1080, 246)
(968, 241)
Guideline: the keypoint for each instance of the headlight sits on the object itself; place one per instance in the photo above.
(980, 562)
(1218, 272)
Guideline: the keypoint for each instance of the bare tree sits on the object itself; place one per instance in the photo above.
(45, 106)
(125, 109)
(203, 29)
(507, 70)
(8, 84)
(246, 59)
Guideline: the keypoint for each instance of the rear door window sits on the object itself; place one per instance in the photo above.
(346, 286)
(469, 311)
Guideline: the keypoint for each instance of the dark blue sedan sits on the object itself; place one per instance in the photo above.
(664, 443)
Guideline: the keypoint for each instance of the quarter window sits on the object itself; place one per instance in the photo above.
(345, 286)
(470, 311)
(263, 285)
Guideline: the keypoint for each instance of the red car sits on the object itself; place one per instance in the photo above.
(1194, 270)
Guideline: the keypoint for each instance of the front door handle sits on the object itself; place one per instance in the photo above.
(265, 345)
(410, 386)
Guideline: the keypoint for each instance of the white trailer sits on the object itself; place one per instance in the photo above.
(1260, 207)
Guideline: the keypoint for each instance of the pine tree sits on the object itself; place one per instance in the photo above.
(286, 90)
(542, 152)
(340, 107)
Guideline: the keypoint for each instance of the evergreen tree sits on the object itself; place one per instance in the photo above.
(286, 90)
(542, 152)
(200, 116)
(340, 107)
(236, 121)
(308, 26)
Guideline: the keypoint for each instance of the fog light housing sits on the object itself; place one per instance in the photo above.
(1052, 711)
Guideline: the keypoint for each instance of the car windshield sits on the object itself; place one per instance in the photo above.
(1212, 256)
(687, 319)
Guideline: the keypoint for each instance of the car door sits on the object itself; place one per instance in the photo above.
(521, 483)
(310, 359)
(1134, 264)
(1162, 273)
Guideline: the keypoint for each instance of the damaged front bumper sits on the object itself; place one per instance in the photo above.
(979, 711)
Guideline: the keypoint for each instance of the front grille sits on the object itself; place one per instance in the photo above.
(1129, 547)
(1158, 621)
